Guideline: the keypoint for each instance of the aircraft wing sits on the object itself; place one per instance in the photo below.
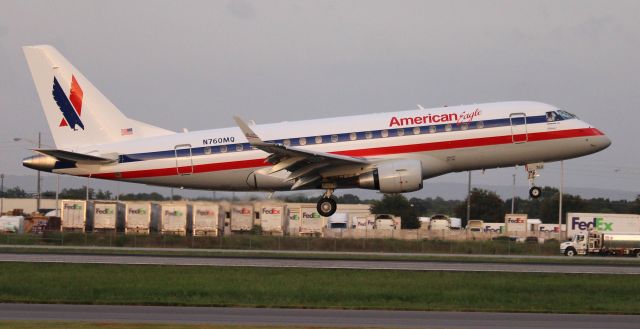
(305, 166)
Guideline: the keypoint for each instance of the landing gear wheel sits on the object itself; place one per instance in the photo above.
(327, 207)
(535, 192)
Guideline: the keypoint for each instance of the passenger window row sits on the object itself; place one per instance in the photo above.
(335, 138)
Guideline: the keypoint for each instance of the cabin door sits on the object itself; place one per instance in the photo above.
(518, 123)
(184, 159)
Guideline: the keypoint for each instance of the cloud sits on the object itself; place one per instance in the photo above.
(241, 9)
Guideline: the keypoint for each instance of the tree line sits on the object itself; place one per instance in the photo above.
(485, 205)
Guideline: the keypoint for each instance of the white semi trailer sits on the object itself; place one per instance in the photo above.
(604, 223)
(605, 244)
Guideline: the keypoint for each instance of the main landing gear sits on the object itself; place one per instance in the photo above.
(327, 204)
(532, 169)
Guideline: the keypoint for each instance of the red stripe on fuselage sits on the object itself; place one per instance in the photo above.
(376, 151)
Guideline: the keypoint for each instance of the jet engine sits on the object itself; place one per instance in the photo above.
(395, 176)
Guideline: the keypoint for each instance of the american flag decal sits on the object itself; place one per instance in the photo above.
(126, 131)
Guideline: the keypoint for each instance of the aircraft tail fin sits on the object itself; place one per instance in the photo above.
(78, 114)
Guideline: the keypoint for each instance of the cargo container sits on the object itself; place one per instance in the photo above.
(515, 223)
(439, 223)
(241, 217)
(475, 225)
(205, 219)
(532, 224)
(546, 228)
(424, 222)
(498, 228)
(102, 216)
(294, 224)
(386, 222)
(311, 223)
(363, 222)
(137, 218)
(37, 224)
(338, 220)
(73, 215)
(12, 224)
(272, 218)
(604, 244)
(605, 223)
(455, 223)
(169, 218)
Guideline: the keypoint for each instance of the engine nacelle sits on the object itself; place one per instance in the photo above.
(395, 176)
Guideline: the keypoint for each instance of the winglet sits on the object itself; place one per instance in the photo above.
(251, 136)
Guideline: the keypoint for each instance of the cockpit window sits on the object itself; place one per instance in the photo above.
(551, 116)
(566, 115)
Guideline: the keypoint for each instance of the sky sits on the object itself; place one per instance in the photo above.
(195, 64)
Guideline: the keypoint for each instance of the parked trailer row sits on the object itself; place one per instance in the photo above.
(141, 217)
(202, 218)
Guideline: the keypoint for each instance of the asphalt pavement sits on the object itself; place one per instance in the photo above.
(309, 317)
(319, 264)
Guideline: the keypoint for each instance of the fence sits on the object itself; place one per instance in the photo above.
(330, 243)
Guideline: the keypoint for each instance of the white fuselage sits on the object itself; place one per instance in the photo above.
(447, 139)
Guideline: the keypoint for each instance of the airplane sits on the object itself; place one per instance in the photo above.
(390, 152)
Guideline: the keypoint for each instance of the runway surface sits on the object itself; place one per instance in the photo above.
(320, 264)
(307, 317)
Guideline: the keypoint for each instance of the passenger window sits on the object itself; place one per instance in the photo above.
(334, 138)
(286, 142)
(368, 135)
(353, 136)
(302, 141)
(384, 133)
(479, 124)
(223, 149)
(464, 126)
(416, 130)
(448, 127)
(239, 147)
(318, 139)
(432, 129)
(207, 150)
(401, 132)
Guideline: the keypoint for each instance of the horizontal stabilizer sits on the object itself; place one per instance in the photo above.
(75, 157)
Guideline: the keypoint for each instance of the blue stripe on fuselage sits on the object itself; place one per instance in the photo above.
(344, 137)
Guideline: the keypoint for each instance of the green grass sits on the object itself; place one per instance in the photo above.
(257, 242)
(313, 288)
(93, 325)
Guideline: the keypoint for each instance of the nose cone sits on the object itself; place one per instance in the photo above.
(599, 141)
(40, 162)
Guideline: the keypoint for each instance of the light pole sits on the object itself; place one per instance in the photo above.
(513, 195)
(469, 198)
(1, 194)
(38, 173)
(87, 188)
(39, 143)
(57, 195)
(560, 197)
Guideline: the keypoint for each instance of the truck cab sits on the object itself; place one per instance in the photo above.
(581, 244)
